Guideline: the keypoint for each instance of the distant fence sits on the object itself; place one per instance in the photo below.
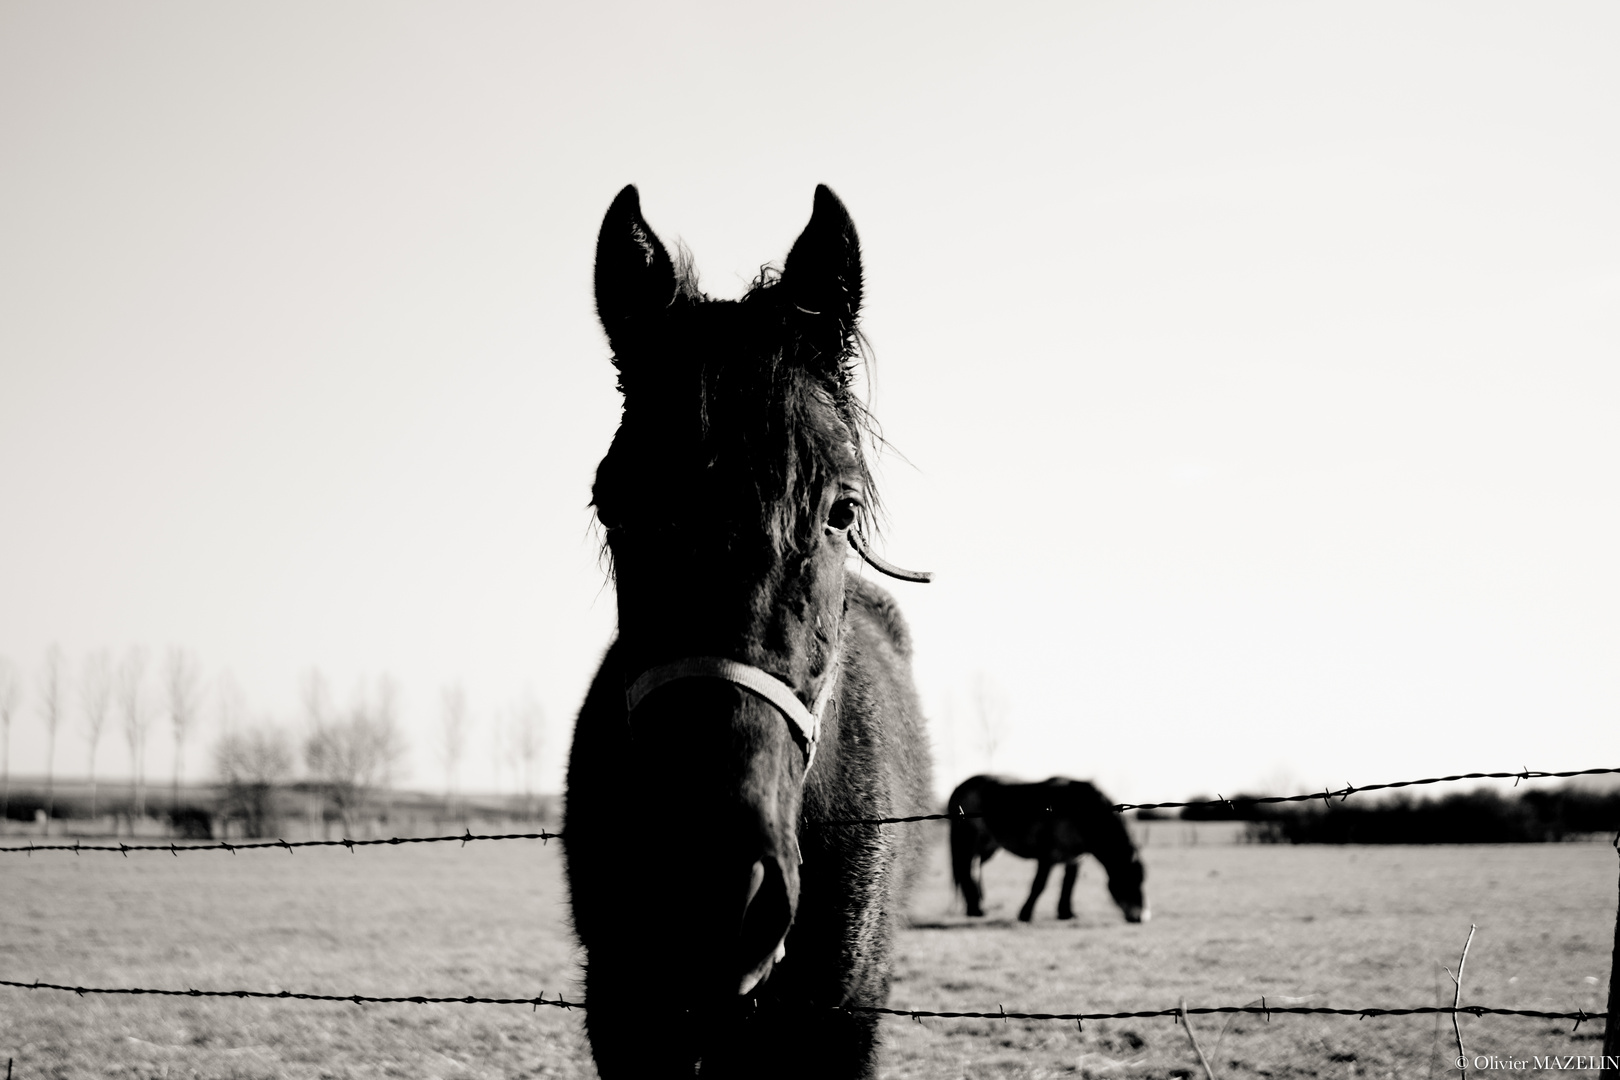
(1328, 796)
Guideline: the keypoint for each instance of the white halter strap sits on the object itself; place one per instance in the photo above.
(804, 723)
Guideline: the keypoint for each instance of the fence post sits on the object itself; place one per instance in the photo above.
(1611, 1026)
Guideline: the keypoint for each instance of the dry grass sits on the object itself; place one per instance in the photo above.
(1337, 927)
(488, 920)
(1332, 926)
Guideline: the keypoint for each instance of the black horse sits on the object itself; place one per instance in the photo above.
(1055, 821)
(756, 686)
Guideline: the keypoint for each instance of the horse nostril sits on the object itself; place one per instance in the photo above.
(756, 878)
(766, 917)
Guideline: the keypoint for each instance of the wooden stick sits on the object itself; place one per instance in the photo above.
(1434, 1043)
(1456, 1000)
(1202, 1060)
(1611, 1032)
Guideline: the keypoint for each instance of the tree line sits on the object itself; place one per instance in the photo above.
(1483, 816)
(349, 752)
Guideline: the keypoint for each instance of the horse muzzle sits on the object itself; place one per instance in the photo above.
(721, 747)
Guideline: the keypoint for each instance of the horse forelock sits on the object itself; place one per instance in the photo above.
(751, 399)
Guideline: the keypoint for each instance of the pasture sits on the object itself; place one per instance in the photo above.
(1343, 927)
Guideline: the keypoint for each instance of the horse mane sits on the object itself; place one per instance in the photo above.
(831, 359)
(759, 406)
(882, 607)
(1111, 826)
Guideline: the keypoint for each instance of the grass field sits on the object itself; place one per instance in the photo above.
(1345, 927)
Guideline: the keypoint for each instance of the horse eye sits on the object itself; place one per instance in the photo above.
(842, 514)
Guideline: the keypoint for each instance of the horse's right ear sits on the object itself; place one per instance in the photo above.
(634, 275)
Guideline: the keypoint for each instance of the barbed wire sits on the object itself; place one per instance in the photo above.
(288, 995)
(1580, 1016)
(1327, 795)
(220, 845)
(1349, 789)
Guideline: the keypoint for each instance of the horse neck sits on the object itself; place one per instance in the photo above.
(1111, 845)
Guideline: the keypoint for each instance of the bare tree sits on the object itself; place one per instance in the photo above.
(10, 690)
(353, 753)
(944, 736)
(528, 738)
(180, 680)
(318, 713)
(132, 703)
(95, 697)
(50, 710)
(229, 704)
(251, 763)
(499, 751)
(991, 705)
(317, 697)
(453, 721)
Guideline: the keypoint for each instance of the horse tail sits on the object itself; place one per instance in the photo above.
(961, 852)
(970, 839)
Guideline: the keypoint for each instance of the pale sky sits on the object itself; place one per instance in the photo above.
(1254, 364)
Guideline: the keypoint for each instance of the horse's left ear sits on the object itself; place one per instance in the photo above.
(823, 271)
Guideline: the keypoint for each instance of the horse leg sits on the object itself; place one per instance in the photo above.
(1071, 872)
(1028, 911)
(964, 844)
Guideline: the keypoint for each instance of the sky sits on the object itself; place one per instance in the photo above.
(1249, 369)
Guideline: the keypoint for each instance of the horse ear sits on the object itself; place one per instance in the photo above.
(823, 271)
(634, 275)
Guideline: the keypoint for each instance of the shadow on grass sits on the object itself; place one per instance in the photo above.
(965, 923)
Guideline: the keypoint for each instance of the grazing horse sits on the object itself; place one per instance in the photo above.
(756, 686)
(1055, 821)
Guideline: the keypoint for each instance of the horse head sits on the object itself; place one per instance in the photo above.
(1125, 878)
(730, 498)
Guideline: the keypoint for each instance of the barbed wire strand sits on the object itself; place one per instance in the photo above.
(1580, 1016)
(248, 845)
(288, 995)
(1327, 796)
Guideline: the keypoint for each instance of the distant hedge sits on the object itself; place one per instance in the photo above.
(1472, 817)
